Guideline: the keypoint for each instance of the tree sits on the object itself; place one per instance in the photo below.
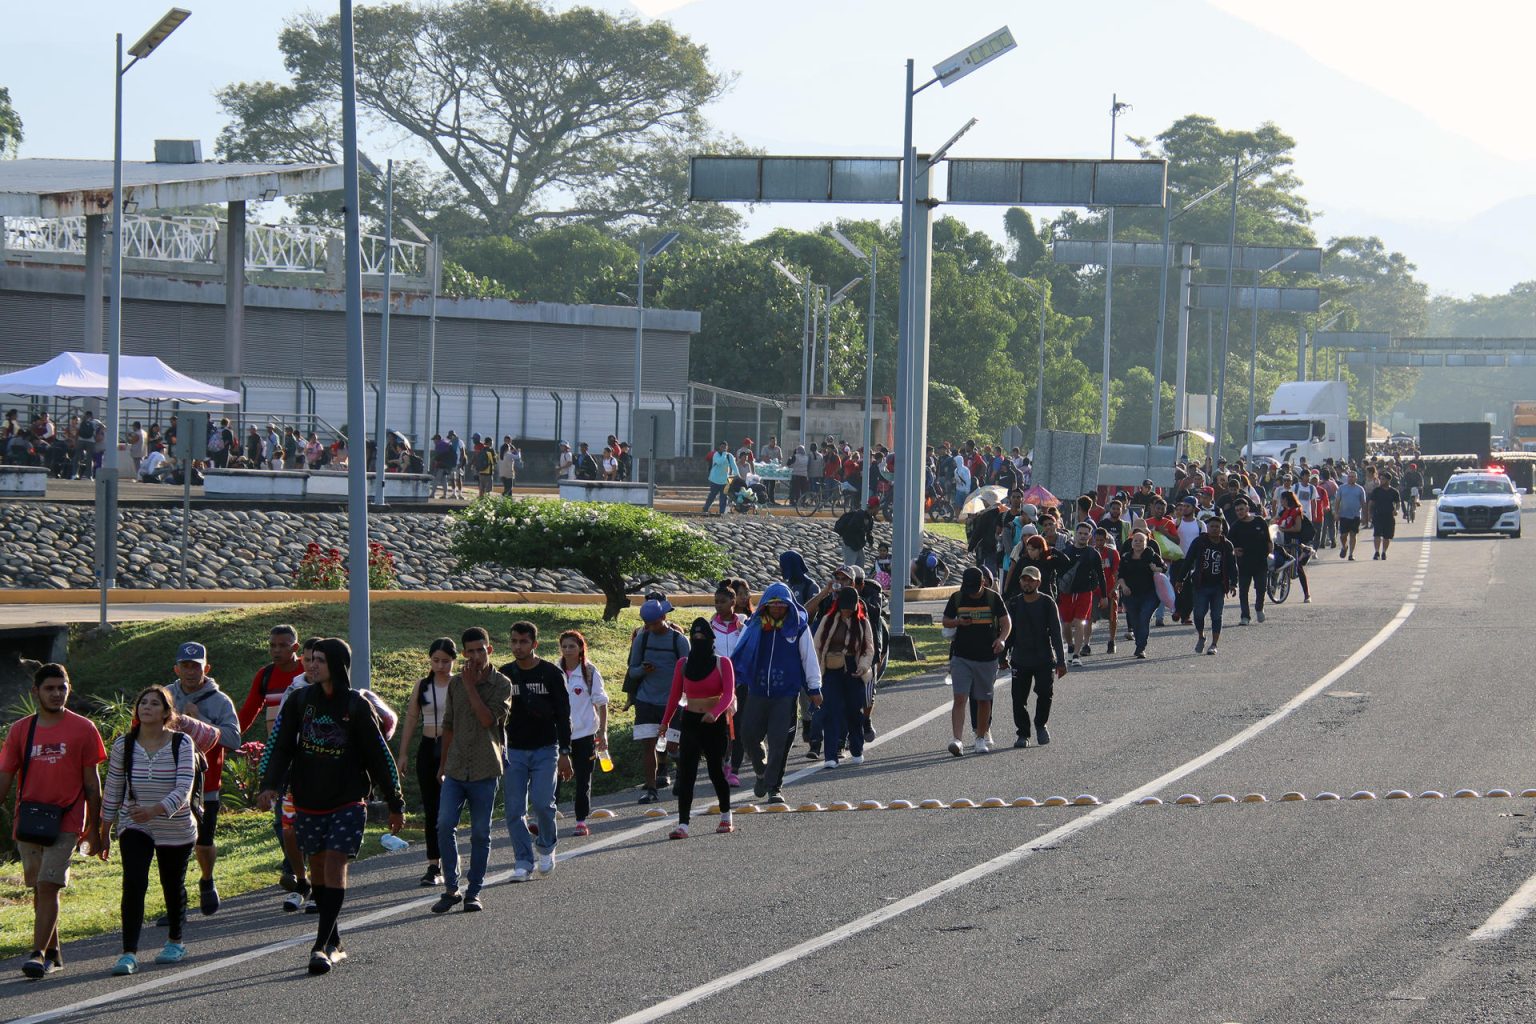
(950, 416)
(528, 116)
(622, 549)
(573, 263)
(1024, 241)
(10, 125)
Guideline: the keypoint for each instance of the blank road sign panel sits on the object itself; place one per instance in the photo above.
(1261, 257)
(795, 179)
(1058, 182)
(1090, 253)
(1352, 339)
(1284, 300)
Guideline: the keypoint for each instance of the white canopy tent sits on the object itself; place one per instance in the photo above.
(84, 375)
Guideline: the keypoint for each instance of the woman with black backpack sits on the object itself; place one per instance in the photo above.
(152, 776)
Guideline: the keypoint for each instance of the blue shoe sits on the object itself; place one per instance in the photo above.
(173, 953)
(126, 964)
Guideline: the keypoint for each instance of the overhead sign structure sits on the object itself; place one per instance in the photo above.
(1379, 357)
(1351, 339)
(984, 51)
(1283, 300)
(794, 179)
(1096, 253)
(1058, 182)
(1292, 260)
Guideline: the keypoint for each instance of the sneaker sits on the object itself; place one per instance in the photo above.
(1212, 650)
(293, 902)
(1109, 648)
(520, 875)
(319, 963)
(54, 957)
(1141, 655)
(957, 748)
(1200, 645)
(732, 779)
(1375, 556)
(126, 964)
(869, 732)
(446, 902)
(981, 746)
(725, 827)
(207, 897)
(546, 863)
(1085, 650)
(1071, 651)
(776, 797)
(433, 878)
(1243, 621)
(814, 754)
(663, 782)
(650, 797)
(1075, 660)
(1341, 553)
(680, 832)
(1261, 614)
(472, 905)
(760, 788)
(1306, 598)
(1042, 736)
(38, 965)
(310, 906)
(1351, 558)
(172, 953)
(581, 829)
(856, 759)
(1021, 743)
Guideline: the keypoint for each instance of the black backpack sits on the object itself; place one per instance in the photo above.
(199, 770)
(850, 527)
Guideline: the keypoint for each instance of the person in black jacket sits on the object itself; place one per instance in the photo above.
(1047, 560)
(1038, 658)
(328, 744)
(1138, 583)
(1251, 544)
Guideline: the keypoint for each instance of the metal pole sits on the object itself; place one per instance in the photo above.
(1301, 349)
(106, 488)
(805, 370)
(186, 516)
(826, 349)
(358, 617)
(381, 421)
(437, 280)
(901, 552)
(1040, 374)
(634, 398)
(1109, 280)
(922, 269)
(1226, 316)
(817, 301)
(1210, 370)
(1162, 320)
(869, 375)
(1253, 357)
(1181, 357)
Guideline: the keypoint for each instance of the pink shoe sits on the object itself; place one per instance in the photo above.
(732, 779)
(681, 832)
(581, 829)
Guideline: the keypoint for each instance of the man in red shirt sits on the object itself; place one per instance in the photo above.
(54, 753)
(268, 688)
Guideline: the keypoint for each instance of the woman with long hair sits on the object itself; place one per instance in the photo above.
(589, 719)
(424, 710)
(845, 649)
(706, 684)
(1291, 522)
(150, 774)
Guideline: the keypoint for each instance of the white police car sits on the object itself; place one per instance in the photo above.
(1478, 501)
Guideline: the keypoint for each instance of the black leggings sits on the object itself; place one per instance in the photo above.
(431, 790)
(710, 740)
(583, 759)
(137, 849)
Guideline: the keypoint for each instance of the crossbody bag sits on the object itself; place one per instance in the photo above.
(37, 822)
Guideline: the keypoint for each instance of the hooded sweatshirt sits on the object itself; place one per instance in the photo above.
(778, 659)
(212, 705)
(802, 586)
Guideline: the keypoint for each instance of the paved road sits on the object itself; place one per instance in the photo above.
(1357, 911)
(33, 614)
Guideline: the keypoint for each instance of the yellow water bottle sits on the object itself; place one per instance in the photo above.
(605, 760)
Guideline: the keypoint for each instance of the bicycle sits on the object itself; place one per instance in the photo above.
(1277, 583)
(941, 509)
(818, 499)
(1410, 505)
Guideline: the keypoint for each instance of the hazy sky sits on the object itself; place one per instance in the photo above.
(1420, 140)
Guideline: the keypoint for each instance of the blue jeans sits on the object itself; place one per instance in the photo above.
(1208, 599)
(1138, 609)
(481, 797)
(530, 784)
(715, 491)
(842, 713)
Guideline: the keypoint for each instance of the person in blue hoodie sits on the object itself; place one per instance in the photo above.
(778, 659)
(803, 587)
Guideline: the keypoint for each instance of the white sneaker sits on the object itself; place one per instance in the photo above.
(829, 763)
(981, 745)
(956, 747)
(520, 875)
(1075, 661)
(856, 759)
(293, 902)
(546, 863)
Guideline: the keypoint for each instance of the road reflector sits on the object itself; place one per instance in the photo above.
(713, 809)
(1362, 794)
(871, 805)
(1465, 794)
(994, 801)
(840, 805)
(748, 809)
(807, 808)
(1431, 794)
(1399, 794)
(1255, 798)
(779, 808)
(932, 804)
(1292, 797)
(1026, 801)
(1498, 792)
(1055, 801)
(962, 803)
(1149, 801)
(655, 812)
(1189, 800)
(1528, 793)
(1086, 800)
(901, 805)
(602, 814)
(1326, 795)
(1223, 798)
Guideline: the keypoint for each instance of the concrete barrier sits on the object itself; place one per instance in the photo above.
(282, 485)
(613, 492)
(23, 481)
(403, 487)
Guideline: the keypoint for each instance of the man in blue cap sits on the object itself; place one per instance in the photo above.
(653, 655)
(198, 696)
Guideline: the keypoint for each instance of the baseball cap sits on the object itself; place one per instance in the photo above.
(192, 651)
(1189, 499)
(1146, 483)
(1207, 490)
(1029, 510)
(654, 611)
(1030, 571)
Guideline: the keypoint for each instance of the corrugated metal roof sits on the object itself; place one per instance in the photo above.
(67, 188)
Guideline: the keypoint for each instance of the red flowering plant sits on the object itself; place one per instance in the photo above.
(242, 774)
(321, 570)
(382, 574)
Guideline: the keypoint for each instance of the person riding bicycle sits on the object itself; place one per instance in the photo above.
(1413, 485)
(1296, 535)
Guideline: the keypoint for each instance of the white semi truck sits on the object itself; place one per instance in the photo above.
(1307, 419)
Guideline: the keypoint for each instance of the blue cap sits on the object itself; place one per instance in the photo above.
(192, 651)
(1190, 499)
(654, 611)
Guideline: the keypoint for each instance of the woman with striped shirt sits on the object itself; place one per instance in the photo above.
(150, 773)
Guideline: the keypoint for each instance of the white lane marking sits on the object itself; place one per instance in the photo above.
(1510, 914)
(160, 981)
(1019, 853)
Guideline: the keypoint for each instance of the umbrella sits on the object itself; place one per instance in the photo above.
(983, 498)
(1040, 497)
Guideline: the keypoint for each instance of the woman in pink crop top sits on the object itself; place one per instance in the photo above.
(706, 685)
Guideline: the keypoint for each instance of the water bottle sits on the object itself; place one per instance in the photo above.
(661, 742)
(393, 843)
(605, 760)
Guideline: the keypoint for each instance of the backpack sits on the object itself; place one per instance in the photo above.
(586, 467)
(199, 769)
(216, 440)
(850, 528)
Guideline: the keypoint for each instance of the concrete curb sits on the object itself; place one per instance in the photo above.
(168, 596)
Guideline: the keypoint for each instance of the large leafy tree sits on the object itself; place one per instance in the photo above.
(522, 115)
(10, 125)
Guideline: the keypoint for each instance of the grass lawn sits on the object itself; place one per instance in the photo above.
(954, 531)
(139, 654)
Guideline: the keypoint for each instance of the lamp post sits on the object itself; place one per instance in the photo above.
(869, 356)
(1039, 294)
(381, 416)
(1115, 106)
(1253, 346)
(805, 343)
(106, 488)
(646, 255)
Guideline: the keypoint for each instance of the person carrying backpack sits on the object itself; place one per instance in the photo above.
(152, 796)
(856, 529)
(586, 464)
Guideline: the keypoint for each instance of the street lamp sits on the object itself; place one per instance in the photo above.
(646, 255)
(106, 488)
(1115, 107)
(869, 355)
(805, 344)
(1253, 344)
(1039, 293)
(826, 360)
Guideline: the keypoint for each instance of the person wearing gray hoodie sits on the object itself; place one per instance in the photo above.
(198, 696)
